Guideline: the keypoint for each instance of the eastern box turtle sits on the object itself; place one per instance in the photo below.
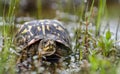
(47, 39)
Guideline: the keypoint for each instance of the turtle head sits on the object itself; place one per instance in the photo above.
(47, 47)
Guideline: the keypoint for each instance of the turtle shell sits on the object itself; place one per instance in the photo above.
(33, 31)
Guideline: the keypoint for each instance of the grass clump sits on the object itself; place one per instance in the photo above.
(7, 57)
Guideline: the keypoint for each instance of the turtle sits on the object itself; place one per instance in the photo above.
(46, 38)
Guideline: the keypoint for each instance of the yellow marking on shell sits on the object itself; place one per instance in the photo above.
(28, 36)
(43, 29)
(20, 27)
(31, 34)
(48, 28)
(59, 28)
(29, 27)
(26, 23)
(58, 34)
(25, 30)
(55, 25)
(39, 28)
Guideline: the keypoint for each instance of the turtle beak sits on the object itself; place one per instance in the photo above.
(47, 51)
(48, 48)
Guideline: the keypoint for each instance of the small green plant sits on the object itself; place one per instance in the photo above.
(7, 58)
(101, 65)
(106, 43)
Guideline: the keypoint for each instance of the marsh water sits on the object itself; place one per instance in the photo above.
(71, 23)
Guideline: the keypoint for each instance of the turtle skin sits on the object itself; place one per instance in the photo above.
(31, 33)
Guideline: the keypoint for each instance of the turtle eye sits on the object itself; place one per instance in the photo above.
(45, 42)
